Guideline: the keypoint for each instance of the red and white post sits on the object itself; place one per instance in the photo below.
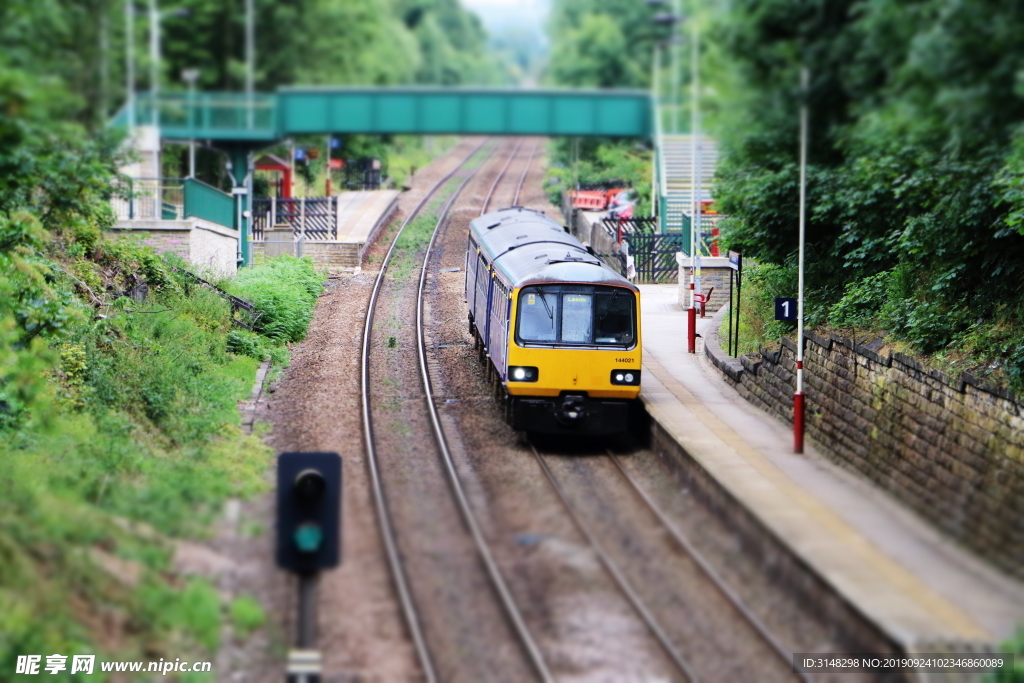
(691, 312)
(798, 397)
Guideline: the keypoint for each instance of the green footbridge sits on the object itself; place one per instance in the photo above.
(242, 124)
(264, 118)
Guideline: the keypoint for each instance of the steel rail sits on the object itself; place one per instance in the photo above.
(708, 570)
(522, 180)
(383, 517)
(490, 193)
(497, 580)
(620, 579)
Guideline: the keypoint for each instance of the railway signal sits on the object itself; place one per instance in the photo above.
(308, 540)
(308, 511)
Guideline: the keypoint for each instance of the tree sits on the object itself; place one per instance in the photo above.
(912, 178)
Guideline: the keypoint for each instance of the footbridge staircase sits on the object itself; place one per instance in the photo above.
(681, 183)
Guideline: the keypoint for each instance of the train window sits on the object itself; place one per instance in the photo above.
(577, 314)
(613, 314)
(537, 316)
(577, 317)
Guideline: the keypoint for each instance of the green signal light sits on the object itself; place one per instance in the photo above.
(308, 537)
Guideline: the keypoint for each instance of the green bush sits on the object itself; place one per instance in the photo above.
(247, 615)
(1015, 646)
(245, 343)
(284, 290)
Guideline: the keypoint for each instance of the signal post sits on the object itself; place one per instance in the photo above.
(308, 541)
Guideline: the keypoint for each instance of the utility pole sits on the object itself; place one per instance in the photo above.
(129, 58)
(154, 59)
(656, 100)
(250, 60)
(677, 11)
(694, 163)
(104, 67)
(190, 76)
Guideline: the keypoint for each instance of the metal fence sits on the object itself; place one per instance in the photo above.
(624, 227)
(195, 115)
(316, 218)
(654, 257)
(151, 199)
(654, 253)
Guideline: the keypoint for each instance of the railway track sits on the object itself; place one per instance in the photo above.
(666, 529)
(413, 615)
(523, 645)
(682, 665)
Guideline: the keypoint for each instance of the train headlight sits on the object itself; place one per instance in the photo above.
(523, 373)
(626, 377)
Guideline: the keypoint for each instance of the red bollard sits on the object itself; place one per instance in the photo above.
(691, 333)
(798, 422)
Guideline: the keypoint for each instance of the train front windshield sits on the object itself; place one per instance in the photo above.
(585, 315)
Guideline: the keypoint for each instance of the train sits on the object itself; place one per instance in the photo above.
(558, 330)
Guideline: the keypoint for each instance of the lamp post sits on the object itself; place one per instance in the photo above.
(798, 397)
(671, 20)
(694, 162)
(155, 15)
(677, 11)
(190, 76)
(154, 58)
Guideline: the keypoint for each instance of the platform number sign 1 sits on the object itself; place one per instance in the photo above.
(785, 308)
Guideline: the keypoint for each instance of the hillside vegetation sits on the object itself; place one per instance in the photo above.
(120, 435)
(916, 167)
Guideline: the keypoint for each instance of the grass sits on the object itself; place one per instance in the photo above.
(408, 254)
(119, 433)
(247, 615)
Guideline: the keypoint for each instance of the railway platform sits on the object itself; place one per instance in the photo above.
(920, 589)
(356, 218)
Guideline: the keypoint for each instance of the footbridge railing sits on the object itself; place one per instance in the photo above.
(170, 199)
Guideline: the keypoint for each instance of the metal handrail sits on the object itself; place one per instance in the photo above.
(192, 114)
(208, 203)
(150, 199)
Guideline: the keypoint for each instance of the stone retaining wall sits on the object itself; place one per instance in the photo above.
(952, 449)
(211, 248)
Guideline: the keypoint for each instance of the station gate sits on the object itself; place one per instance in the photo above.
(654, 257)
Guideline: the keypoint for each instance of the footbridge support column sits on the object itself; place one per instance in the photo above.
(240, 169)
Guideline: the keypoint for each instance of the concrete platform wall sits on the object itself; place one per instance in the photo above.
(714, 273)
(952, 449)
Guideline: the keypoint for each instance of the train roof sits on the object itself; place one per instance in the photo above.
(527, 247)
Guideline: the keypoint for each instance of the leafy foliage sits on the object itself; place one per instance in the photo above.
(284, 290)
(602, 45)
(914, 162)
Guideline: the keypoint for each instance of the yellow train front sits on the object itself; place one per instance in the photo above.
(559, 328)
